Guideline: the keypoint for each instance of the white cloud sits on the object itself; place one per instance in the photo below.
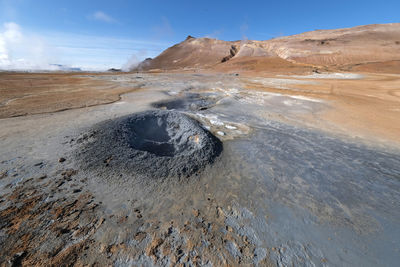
(21, 50)
(101, 16)
(8, 37)
(12, 32)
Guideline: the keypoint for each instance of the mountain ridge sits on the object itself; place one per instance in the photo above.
(320, 48)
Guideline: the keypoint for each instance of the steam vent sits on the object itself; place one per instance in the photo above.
(156, 144)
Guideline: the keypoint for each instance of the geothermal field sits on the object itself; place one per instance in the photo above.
(260, 153)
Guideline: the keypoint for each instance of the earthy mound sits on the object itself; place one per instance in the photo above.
(191, 53)
(156, 144)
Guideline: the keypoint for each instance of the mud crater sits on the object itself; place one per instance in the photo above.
(153, 144)
(189, 101)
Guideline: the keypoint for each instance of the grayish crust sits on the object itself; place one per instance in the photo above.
(153, 144)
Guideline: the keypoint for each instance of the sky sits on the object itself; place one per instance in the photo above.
(97, 35)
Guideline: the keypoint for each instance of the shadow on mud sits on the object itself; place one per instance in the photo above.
(150, 134)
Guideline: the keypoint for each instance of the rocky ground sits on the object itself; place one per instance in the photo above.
(284, 183)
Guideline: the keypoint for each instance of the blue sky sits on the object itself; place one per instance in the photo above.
(103, 34)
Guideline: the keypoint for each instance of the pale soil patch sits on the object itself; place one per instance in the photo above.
(366, 107)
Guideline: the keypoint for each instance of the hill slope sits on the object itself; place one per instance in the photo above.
(329, 48)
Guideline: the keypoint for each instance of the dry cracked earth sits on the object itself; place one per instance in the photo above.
(224, 170)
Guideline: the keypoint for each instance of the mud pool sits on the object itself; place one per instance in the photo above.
(280, 192)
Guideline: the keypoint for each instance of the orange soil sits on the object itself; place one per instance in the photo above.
(32, 93)
(369, 107)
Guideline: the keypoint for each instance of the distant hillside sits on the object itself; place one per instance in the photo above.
(323, 48)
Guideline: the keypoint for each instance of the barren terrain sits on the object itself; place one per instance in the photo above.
(258, 160)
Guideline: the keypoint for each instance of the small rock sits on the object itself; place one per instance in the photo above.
(220, 133)
(220, 212)
(3, 174)
(102, 248)
(17, 259)
(196, 212)
(42, 177)
(68, 173)
(108, 160)
(61, 160)
(230, 127)
(140, 236)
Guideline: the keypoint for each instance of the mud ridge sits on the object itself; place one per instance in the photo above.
(152, 144)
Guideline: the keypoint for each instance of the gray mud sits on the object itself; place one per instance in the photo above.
(315, 200)
(279, 194)
(156, 144)
(189, 101)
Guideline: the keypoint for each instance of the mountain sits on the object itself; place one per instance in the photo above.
(376, 46)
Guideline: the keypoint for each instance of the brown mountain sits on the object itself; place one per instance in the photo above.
(369, 47)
